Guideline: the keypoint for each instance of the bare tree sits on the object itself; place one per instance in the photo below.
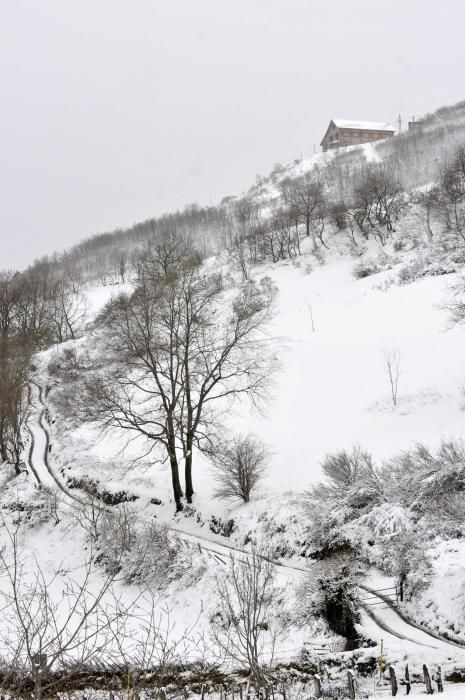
(176, 363)
(306, 193)
(245, 627)
(14, 401)
(392, 362)
(238, 467)
(166, 253)
(238, 253)
(54, 626)
(280, 238)
(378, 200)
(310, 311)
(455, 305)
(448, 198)
(9, 298)
(67, 310)
(158, 642)
(15, 353)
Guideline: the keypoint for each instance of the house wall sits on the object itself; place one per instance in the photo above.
(336, 137)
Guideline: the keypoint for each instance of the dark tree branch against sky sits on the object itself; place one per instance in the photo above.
(113, 111)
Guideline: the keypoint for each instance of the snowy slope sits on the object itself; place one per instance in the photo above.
(333, 390)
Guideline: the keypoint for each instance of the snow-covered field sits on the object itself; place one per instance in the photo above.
(330, 334)
(333, 390)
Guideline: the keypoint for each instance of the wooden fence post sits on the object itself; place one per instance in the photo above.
(439, 680)
(317, 686)
(162, 694)
(408, 686)
(427, 679)
(202, 692)
(393, 679)
(351, 685)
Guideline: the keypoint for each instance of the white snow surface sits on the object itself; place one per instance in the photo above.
(353, 124)
(97, 297)
(332, 392)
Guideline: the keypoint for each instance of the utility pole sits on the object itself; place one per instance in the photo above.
(400, 122)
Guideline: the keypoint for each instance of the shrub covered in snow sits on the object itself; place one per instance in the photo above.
(368, 266)
(142, 552)
(392, 513)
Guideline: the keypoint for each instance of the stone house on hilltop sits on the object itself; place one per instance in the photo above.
(342, 132)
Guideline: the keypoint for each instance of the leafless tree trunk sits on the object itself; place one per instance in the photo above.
(245, 628)
(392, 361)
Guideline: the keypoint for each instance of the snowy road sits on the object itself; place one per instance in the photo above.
(223, 551)
(381, 620)
(40, 447)
(391, 620)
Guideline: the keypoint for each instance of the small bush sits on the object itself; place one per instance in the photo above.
(143, 553)
(365, 268)
(398, 245)
(369, 266)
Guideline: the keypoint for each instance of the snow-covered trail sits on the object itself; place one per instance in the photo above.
(32, 437)
(223, 551)
(390, 619)
(40, 446)
(38, 457)
(382, 621)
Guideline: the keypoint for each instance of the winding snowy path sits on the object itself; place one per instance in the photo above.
(389, 618)
(382, 621)
(40, 446)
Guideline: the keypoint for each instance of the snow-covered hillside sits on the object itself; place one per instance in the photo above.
(357, 297)
(330, 333)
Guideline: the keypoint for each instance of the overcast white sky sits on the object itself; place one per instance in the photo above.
(112, 111)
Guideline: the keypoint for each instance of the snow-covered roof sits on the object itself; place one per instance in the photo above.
(372, 126)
